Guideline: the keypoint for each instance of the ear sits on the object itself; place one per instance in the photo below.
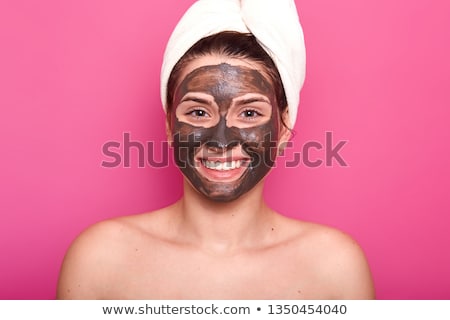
(285, 132)
(169, 130)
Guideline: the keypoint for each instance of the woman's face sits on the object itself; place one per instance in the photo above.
(224, 125)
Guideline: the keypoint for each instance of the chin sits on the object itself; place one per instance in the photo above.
(221, 193)
(222, 198)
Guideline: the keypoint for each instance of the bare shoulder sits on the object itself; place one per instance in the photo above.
(100, 252)
(335, 260)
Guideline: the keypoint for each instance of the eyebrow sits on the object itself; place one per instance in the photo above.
(194, 98)
(242, 101)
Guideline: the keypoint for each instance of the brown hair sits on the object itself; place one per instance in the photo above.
(234, 45)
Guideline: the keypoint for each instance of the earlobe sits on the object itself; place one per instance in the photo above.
(285, 133)
(283, 143)
(169, 132)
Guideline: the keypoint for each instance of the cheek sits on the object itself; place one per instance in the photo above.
(187, 139)
(261, 143)
(258, 139)
(182, 130)
(263, 135)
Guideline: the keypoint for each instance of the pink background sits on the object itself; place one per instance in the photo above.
(76, 74)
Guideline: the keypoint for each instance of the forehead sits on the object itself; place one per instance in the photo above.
(225, 80)
(215, 59)
(220, 76)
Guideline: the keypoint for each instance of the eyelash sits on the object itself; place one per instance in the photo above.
(201, 114)
(253, 111)
(195, 113)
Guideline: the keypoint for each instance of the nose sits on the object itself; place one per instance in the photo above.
(222, 138)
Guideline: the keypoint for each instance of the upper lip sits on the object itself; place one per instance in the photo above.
(235, 154)
(223, 159)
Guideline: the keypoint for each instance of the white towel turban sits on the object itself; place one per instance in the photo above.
(274, 23)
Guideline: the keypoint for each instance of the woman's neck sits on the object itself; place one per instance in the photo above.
(225, 227)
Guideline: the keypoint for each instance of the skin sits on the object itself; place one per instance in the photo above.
(220, 108)
(201, 248)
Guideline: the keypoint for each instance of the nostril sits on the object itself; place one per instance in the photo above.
(220, 147)
(216, 146)
(222, 138)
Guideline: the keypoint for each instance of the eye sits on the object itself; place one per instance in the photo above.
(250, 113)
(198, 113)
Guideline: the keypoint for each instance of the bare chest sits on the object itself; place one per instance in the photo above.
(186, 274)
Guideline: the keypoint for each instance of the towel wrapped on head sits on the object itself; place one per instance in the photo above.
(274, 23)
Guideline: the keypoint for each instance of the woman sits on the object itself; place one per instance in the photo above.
(229, 108)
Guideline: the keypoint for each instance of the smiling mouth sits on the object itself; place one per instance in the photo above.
(223, 165)
(221, 169)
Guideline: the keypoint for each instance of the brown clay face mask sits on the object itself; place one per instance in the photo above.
(225, 129)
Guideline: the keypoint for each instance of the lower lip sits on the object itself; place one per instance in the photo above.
(221, 175)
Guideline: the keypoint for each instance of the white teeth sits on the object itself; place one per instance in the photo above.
(222, 166)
